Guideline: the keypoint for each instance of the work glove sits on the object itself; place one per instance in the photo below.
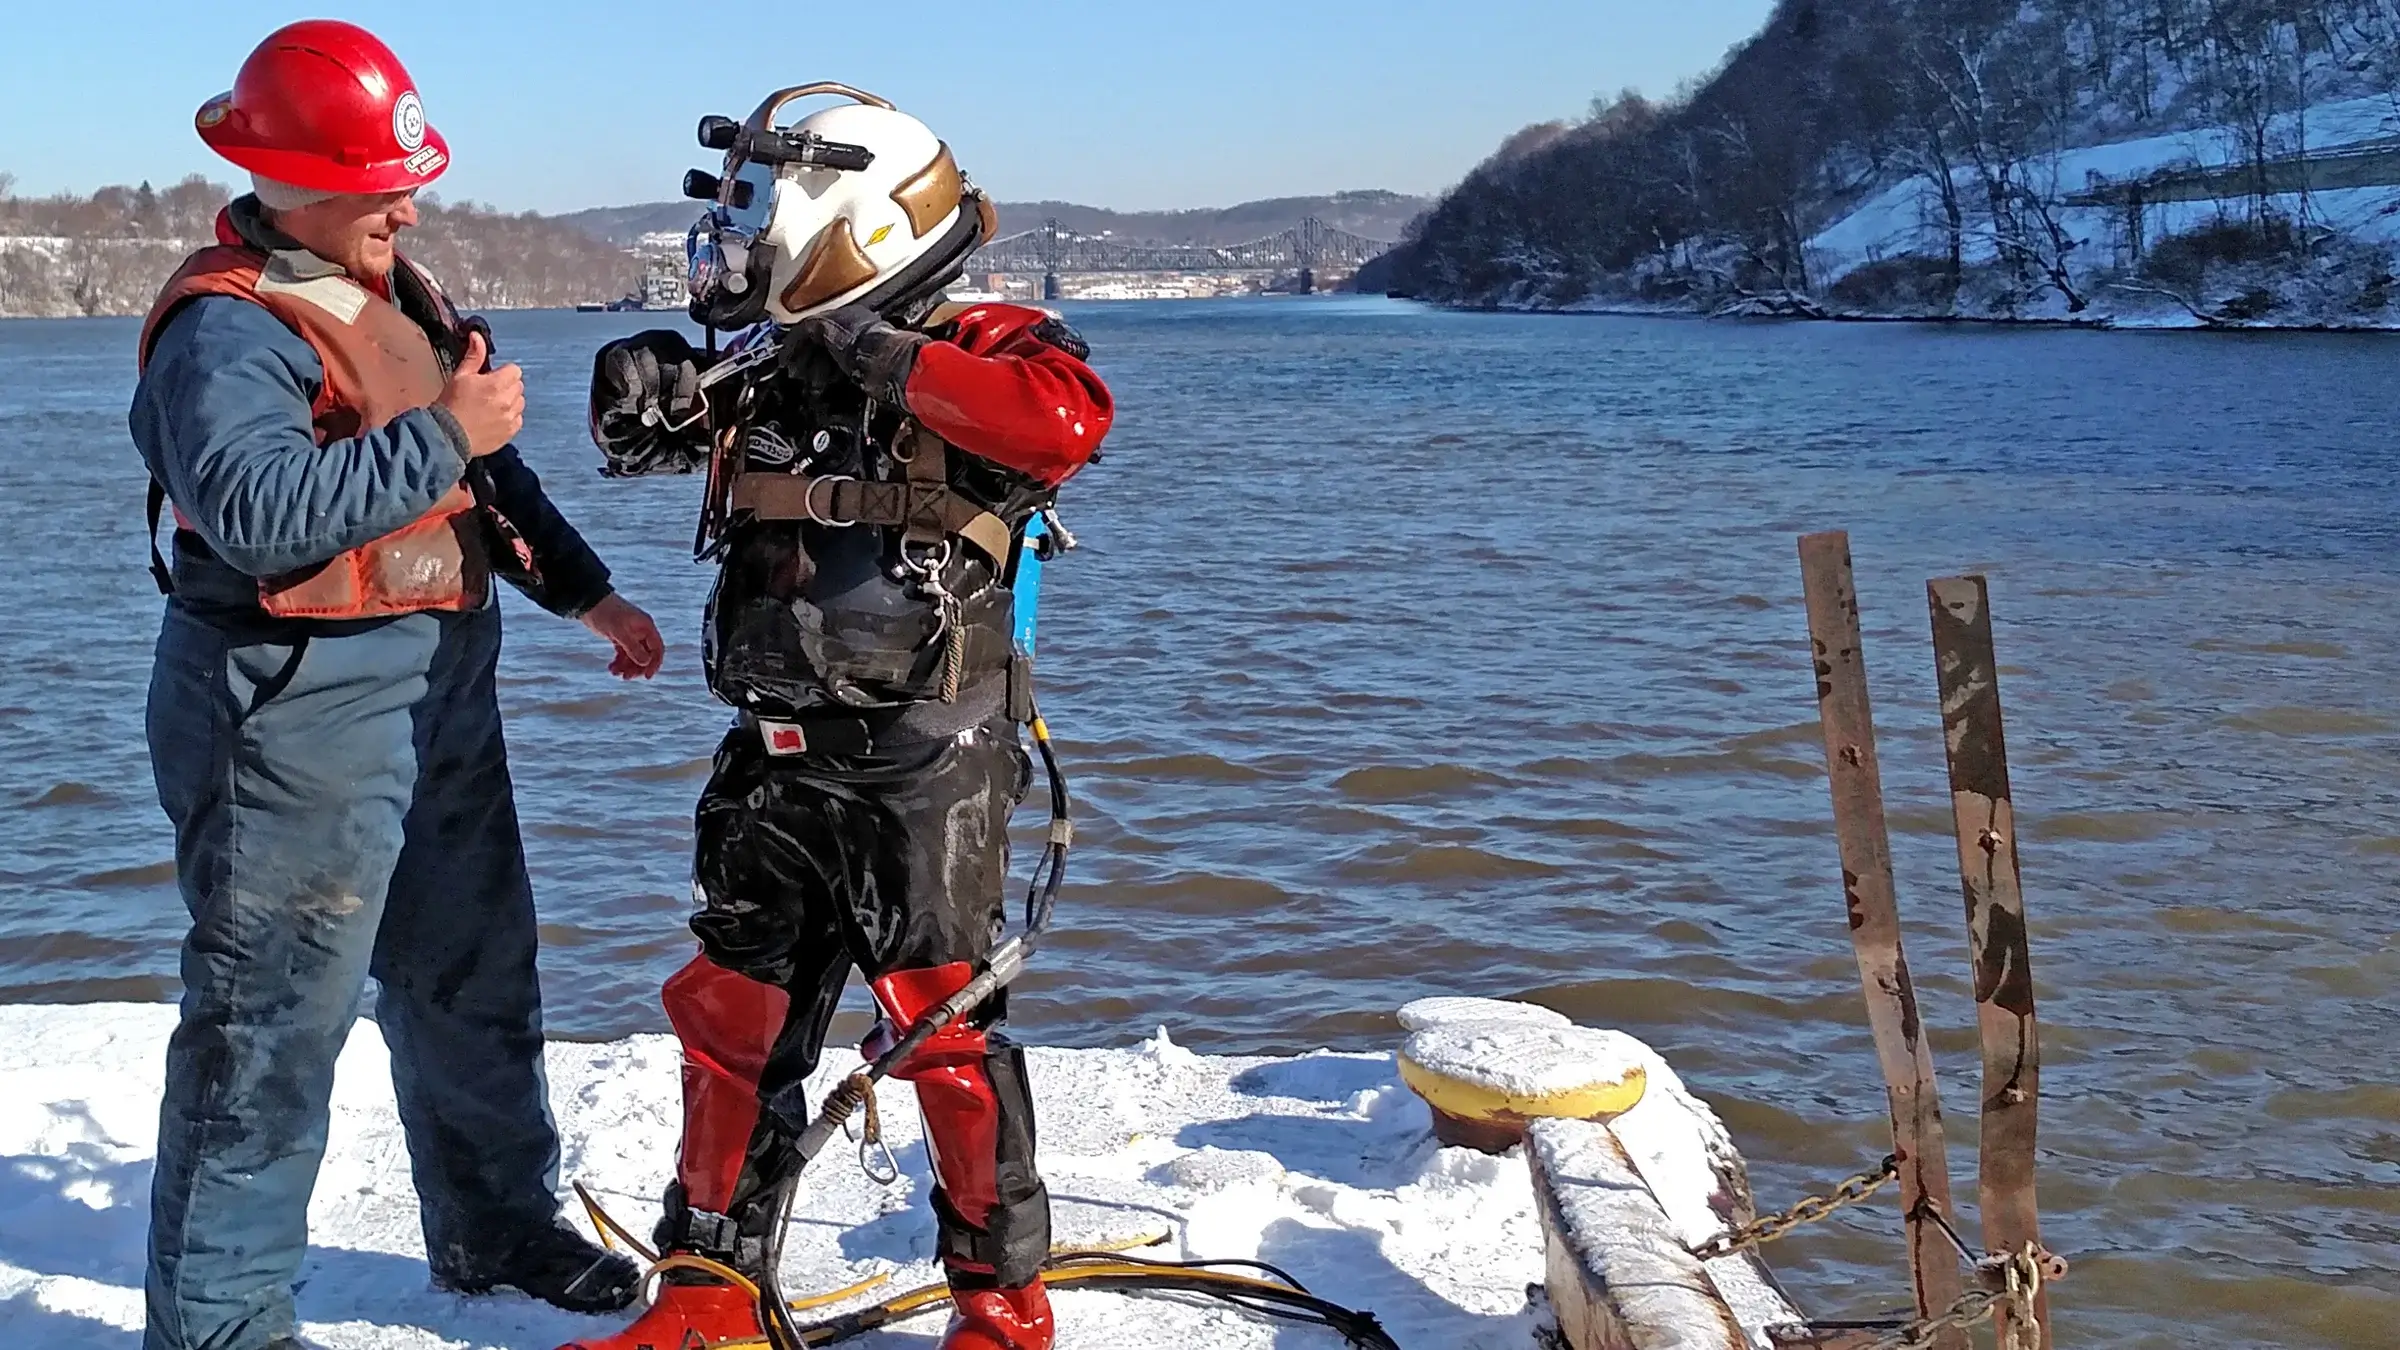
(647, 411)
(869, 350)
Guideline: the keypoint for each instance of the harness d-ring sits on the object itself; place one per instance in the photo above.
(808, 500)
(929, 567)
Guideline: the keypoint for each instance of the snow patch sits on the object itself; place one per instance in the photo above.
(1162, 1050)
(1419, 1014)
(1218, 1169)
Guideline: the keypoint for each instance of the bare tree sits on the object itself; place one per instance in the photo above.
(2041, 238)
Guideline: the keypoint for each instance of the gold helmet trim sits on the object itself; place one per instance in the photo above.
(930, 194)
(835, 264)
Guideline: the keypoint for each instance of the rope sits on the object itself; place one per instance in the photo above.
(954, 649)
(883, 1170)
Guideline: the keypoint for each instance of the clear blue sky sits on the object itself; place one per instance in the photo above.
(1133, 104)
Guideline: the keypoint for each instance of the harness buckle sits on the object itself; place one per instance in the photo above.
(808, 500)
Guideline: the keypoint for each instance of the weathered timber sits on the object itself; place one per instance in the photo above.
(1618, 1265)
(1856, 780)
(1985, 817)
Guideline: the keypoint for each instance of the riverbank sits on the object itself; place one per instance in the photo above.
(1773, 308)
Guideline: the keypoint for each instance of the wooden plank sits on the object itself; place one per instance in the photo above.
(1618, 1268)
(1985, 816)
(1856, 780)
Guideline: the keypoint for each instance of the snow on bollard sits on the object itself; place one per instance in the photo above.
(1487, 1079)
(1418, 1014)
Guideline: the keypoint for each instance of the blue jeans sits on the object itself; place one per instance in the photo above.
(342, 808)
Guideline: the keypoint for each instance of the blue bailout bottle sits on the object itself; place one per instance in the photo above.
(1028, 587)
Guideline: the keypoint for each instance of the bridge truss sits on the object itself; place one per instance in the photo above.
(1050, 248)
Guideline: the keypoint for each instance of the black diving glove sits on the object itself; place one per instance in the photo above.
(867, 348)
(647, 410)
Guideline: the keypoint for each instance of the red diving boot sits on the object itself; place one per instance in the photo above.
(1001, 1319)
(992, 1208)
(728, 1024)
(690, 1317)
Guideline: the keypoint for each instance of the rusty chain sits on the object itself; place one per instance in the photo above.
(2020, 1281)
(2013, 1281)
(1769, 1227)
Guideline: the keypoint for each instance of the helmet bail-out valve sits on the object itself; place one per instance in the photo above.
(857, 203)
(324, 105)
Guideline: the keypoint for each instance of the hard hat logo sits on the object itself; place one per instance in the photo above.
(408, 122)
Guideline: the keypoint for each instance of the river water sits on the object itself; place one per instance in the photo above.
(1412, 651)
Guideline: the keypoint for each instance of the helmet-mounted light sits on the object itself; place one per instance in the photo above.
(757, 139)
(703, 186)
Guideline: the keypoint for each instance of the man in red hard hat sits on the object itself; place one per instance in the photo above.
(323, 725)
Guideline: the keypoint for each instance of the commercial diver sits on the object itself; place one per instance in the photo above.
(876, 463)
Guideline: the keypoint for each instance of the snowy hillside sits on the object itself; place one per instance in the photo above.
(2091, 159)
(2101, 246)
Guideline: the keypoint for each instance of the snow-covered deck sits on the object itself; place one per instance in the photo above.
(1322, 1164)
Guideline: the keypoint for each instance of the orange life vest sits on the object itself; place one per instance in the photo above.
(378, 364)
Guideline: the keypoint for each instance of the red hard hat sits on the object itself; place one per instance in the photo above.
(324, 105)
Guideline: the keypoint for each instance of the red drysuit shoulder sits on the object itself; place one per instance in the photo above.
(1004, 384)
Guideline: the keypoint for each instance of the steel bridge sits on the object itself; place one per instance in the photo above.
(1051, 248)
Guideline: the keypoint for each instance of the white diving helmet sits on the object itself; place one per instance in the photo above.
(854, 203)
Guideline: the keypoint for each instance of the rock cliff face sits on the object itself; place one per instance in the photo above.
(109, 252)
(2223, 161)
